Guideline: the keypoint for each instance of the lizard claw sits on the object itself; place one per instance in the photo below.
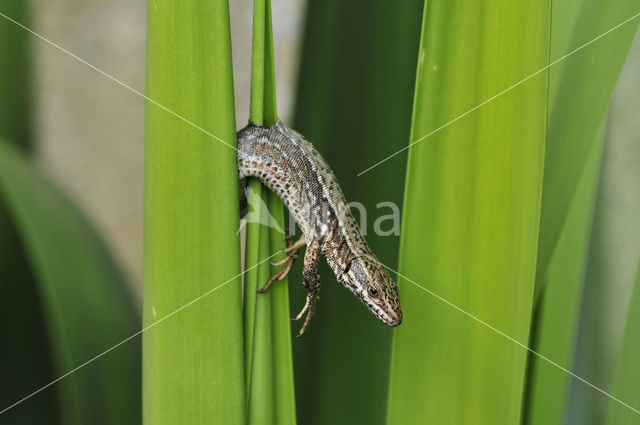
(278, 276)
(309, 308)
(290, 258)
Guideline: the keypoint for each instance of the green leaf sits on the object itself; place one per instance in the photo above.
(353, 103)
(580, 88)
(555, 328)
(29, 342)
(268, 356)
(625, 386)
(579, 91)
(86, 305)
(471, 214)
(193, 361)
(260, 378)
(284, 388)
(614, 252)
(19, 302)
(16, 94)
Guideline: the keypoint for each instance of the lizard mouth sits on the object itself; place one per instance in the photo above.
(394, 319)
(389, 316)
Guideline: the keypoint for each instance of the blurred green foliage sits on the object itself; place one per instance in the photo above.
(580, 88)
(64, 300)
(625, 385)
(85, 302)
(614, 253)
(16, 72)
(20, 302)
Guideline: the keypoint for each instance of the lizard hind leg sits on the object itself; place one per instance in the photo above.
(291, 251)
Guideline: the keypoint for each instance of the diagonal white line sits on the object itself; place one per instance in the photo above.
(500, 94)
(498, 331)
(109, 76)
(146, 328)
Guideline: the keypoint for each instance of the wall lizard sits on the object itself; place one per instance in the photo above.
(289, 165)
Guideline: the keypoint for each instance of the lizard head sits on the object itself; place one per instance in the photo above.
(369, 280)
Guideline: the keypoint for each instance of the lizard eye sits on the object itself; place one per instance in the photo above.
(373, 292)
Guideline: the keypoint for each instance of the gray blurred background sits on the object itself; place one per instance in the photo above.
(90, 129)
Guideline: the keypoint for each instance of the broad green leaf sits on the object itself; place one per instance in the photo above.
(86, 305)
(471, 214)
(354, 103)
(193, 360)
(625, 386)
(268, 356)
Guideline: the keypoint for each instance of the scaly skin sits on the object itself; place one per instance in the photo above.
(290, 166)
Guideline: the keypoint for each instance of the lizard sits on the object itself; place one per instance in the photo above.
(289, 165)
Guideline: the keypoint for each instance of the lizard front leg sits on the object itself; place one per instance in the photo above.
(291, 251)
(311, 281)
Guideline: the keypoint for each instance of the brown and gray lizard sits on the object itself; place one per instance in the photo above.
(290, 166)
